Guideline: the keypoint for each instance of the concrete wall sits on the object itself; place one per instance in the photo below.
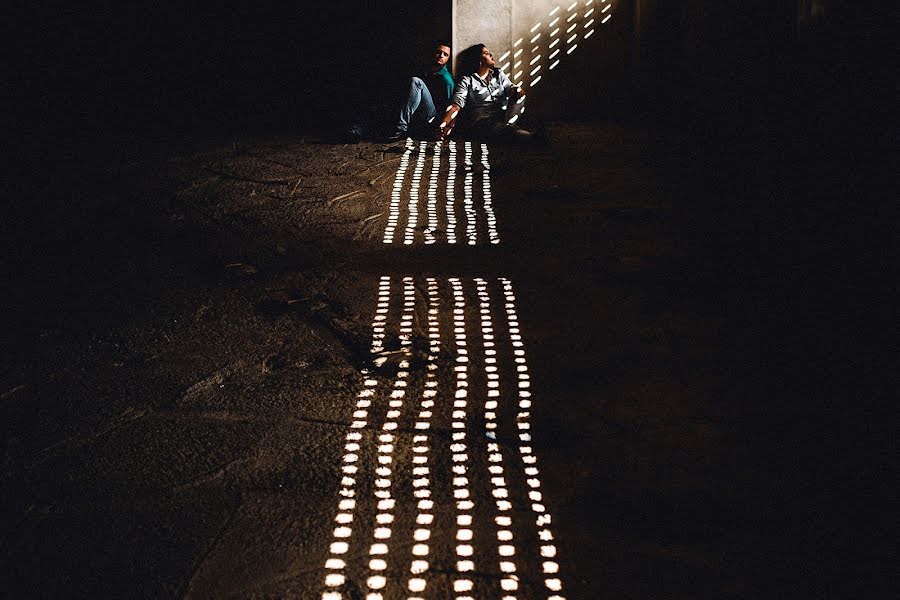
(564, 76)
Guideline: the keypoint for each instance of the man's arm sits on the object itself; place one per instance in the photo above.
(456, 105)
(513, 92)
(448, 121)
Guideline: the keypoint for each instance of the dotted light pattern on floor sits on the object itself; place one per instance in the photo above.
(529, 460)
(421, 447)
(432, 196)
(386, 503)
(451, 194)
(493, 235)
(459, 199)
(549, 41)
(413, 208)
(396, 194)
(460, 457)
(486, 349)
(509, 581)
(340, 545)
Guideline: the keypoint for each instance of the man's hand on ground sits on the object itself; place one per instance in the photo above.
(443, 131)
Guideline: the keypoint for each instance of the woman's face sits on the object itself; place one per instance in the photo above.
(487, 59)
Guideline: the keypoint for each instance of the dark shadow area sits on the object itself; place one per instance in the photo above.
(773, 137)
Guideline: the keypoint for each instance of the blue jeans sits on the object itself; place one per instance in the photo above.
(419, 106)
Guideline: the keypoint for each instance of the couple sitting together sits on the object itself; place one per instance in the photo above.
(484, 102)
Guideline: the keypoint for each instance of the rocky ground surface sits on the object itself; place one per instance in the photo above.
(174, 414)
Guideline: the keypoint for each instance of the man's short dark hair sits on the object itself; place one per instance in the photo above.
(438, 43)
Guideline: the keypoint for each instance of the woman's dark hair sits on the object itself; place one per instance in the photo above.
(469, 59)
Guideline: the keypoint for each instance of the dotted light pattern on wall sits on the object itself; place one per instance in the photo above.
(449, 466)
(458, 204)
(547, 43)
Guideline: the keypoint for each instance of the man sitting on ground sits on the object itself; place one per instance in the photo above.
(491, 100)
(429, 92)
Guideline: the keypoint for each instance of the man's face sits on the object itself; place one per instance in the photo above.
(441, 55)
(487, 59)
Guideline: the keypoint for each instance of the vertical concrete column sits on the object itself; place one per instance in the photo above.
(480, 22)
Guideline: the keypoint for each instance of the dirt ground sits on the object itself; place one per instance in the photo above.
(173, 420)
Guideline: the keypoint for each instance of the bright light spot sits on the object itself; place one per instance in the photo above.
(418, 567)
(376, 582)
(378, 549)
(553, 66)
(553, 584)
(464, 550)
(420, 550)
(548, 551)
(339, 548)
(608, 17)
(589, 34)
(416, 585)
(463, 585)
(551, 567)
(509, 585)
(507, 550)
(334, 579)
(335, 563)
